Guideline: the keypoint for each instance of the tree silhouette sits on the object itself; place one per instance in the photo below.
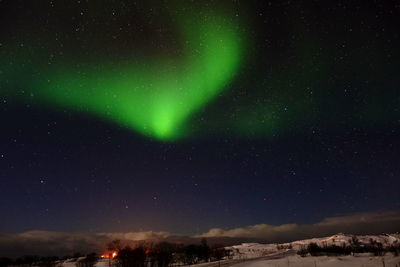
(128, 257)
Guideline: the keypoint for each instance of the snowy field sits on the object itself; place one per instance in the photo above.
(345, 261)
(297, 261)
(284, 254)
(255, 250)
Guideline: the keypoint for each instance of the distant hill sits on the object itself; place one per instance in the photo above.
(254, 250)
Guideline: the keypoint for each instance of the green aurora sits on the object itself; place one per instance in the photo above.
(154, 98)
(189, 84)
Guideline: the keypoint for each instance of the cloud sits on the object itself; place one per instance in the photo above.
(137, 236)
(47, 243)
(360, 223)
(253, 231)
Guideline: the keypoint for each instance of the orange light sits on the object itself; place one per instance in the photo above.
(110, 255)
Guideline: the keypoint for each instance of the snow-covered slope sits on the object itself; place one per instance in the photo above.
(253, 250)
(342, 239)
(324, 261)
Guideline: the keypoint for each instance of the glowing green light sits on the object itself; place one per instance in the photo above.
(157, 98)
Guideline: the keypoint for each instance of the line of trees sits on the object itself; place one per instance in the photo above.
(163, 254)
(166, 254)
(25, 261)
(355, 246)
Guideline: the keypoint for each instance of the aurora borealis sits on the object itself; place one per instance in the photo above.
(158, 98)
(182, 116)
(153, 97)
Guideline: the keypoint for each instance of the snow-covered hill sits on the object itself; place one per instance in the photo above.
(284, 254)
(254, 250)
(342, 239)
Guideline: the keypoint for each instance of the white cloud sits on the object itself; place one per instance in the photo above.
(62, 243)
(360, 223)
(137, 236)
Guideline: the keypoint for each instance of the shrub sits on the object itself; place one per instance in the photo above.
(314, 249)
(302, 252)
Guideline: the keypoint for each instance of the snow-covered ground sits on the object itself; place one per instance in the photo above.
(342, 239)
(255, 250)
(345, 261)
(287, 251)
(252, 250)
(297, 261)
(279, 255)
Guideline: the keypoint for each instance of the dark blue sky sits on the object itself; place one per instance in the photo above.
(76, 174)
(335, 153)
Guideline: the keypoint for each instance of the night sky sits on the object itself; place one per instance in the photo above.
(182, 116)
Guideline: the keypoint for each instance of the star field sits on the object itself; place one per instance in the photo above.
(176, 116)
